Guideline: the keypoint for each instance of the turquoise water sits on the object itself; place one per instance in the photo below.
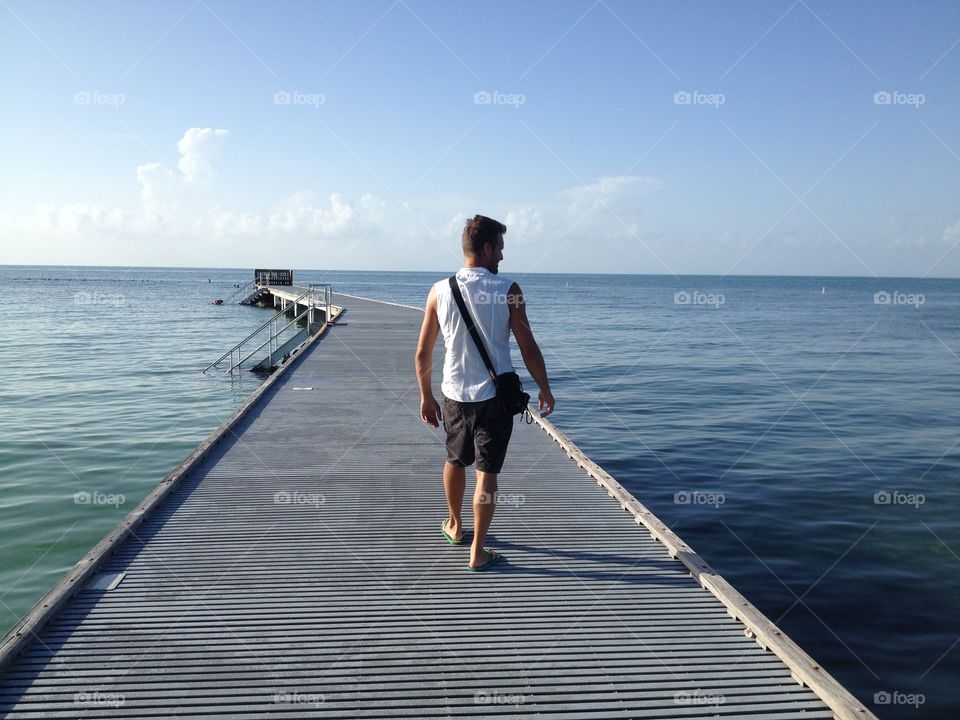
(800, 433)
(102, 396)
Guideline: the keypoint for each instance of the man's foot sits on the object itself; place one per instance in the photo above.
(485, 558)
(454, 538)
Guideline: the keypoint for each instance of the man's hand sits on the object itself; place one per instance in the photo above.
(430, 411)
(546, 401)
(529, 350)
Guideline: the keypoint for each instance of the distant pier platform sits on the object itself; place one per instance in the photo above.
(292, 566)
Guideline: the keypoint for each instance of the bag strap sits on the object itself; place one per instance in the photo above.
(474, 333)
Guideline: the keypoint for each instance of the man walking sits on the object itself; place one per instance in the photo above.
(476, 429)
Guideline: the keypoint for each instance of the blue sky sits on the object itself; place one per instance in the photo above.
(646, 137)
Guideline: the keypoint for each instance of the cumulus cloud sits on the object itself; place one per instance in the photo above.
(302, 215)
(952, 232)
(609, 193)
(454, 227)
(198, 148)
(79, 217)
(159, 186)
(182, 207)
(164, 189)
(175, 204)
(525, 223)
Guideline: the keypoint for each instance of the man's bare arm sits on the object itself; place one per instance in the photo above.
(429, 408)
(529, 350)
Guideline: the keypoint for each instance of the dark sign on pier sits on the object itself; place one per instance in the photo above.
(273, 277)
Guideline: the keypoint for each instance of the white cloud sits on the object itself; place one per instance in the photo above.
(525, 223)
(159, 185)
(298, 216)
(454, 227)
(163, 191)
(952, 232)
(79, 217)
(302, 216)
(181, 218)
(609, 193)
(171, 207)
(198, 148)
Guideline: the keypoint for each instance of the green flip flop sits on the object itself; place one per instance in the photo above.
(494, 558)
(448, 536)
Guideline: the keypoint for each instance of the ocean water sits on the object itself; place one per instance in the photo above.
(802, 434)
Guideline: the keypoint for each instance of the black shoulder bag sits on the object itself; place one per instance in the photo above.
(510, 395)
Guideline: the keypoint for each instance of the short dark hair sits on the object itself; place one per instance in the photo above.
(479, 231)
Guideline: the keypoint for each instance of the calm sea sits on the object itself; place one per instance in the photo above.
(802, 434)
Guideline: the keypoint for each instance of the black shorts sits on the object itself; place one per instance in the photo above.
(476, 431)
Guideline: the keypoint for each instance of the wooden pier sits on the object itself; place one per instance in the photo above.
(292, 566)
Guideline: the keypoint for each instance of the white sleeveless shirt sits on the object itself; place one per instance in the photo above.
(465, 377)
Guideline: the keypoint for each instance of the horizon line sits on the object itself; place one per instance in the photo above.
(636, 274)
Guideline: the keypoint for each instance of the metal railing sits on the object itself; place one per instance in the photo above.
(242, 292)
(273, 329)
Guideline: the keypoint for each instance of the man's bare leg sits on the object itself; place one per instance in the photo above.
(484, 503)
(454, 485)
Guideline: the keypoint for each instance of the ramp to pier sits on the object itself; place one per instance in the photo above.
(298, 570)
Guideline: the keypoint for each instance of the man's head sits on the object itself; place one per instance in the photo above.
(483, 242)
